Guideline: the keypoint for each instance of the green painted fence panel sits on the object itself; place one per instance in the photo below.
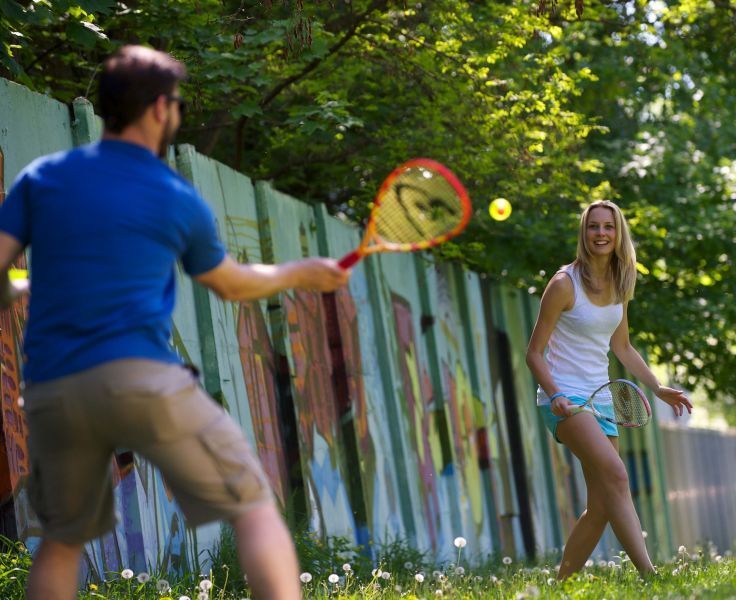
(366, 411)
(460, 397)
(289, 232)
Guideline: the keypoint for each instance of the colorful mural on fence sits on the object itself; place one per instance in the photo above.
(259, 372)
(323, 467)
(416, 392)
(462, 410)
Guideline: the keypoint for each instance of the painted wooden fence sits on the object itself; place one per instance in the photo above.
(399, 408)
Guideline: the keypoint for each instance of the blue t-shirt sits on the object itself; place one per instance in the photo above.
(106, 223)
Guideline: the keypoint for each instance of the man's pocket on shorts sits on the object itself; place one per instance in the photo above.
(241, 473)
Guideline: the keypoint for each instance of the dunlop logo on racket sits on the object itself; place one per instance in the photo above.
(419, 205)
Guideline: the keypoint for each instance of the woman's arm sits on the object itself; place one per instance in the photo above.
(558, 296)
(635, 364)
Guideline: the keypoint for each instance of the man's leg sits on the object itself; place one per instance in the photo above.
(267, 554)
(55, 571)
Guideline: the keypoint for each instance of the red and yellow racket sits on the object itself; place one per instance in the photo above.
(419, 205)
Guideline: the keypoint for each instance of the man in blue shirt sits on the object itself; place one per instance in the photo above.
(107, 224)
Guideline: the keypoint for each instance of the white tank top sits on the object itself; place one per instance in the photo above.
(577, 352)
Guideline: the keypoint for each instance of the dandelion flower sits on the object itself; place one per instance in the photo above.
(333, 578)
(507, 560)
(127, 574)
(611, 564)
(376, 572)
(494, 579)
(459, 571)
(644, 534)
(143, 577)
(305, 577)
(436, 574)
(386, 575)
(551, 581)
(203, 596)
(408, 565)
(718, 558)
(460, 542)
(682, 549)
(588, 563)
(184, 598)
(438, 593)
(419, 578)
(602, 564)
(205, 585)
(347, 568)
(162, 585)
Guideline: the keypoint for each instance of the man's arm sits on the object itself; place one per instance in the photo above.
(240, 282)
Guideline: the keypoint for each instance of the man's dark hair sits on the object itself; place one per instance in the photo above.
(132, 79)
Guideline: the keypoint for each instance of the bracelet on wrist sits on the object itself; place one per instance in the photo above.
(557, 395)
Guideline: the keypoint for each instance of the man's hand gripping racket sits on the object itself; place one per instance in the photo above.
(419, 205)
(620, 402)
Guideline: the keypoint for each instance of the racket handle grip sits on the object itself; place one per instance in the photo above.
(349, 260)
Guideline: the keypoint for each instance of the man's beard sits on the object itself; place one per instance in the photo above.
(167, 137)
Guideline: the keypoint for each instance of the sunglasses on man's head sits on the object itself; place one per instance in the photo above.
(180, 101)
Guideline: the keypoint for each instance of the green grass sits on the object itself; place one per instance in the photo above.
(702, 574)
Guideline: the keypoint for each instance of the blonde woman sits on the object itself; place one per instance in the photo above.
(583, 314)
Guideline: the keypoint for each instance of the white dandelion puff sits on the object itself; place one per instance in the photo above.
(436, 574)
(184, 598)
(333, 578)
(162, 585)
(602, 563)
(376, 572)
(507, 560)
(408, 565)
(611, 564)
(305, 577)
(460, 542)
(203, 596)
(588, 563)
(682, 549)
(127, 574)
(459, 571)
(551, 581)
(419, 578)
(143, 577)
(386, 575)
(347, 568)
(644, 534)
(205, 585)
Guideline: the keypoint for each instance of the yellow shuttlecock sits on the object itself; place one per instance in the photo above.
(14, 274)
(500, 209)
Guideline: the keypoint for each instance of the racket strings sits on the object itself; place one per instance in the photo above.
(628, 406)
(419, 205)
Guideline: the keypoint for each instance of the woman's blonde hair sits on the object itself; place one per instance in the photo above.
(623, 260)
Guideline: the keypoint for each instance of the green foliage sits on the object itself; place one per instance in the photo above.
(548, 103)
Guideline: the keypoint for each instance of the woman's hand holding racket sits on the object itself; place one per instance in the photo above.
(419, 205)
(620, 402)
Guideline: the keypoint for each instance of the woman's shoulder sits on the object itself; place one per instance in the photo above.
(561, 284)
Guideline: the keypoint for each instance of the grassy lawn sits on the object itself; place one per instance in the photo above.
(403, 573)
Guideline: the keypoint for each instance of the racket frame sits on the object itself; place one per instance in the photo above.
(589, 405)
(365, 248)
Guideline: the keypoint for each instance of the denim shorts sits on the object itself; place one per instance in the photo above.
(551, 420)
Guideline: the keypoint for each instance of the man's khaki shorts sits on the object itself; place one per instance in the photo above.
(156, 409)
